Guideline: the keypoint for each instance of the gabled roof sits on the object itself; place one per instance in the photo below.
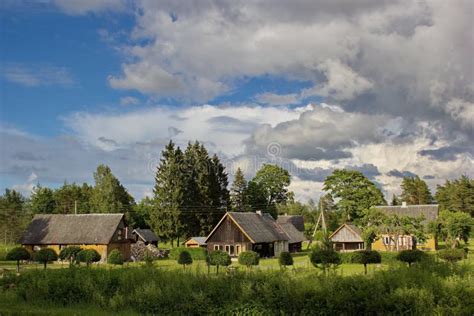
(199, 240)
(429, 211)
(292, 232)
(296, 220)
(258, 228)
(147, 235)
(47, 229)
(355, 233)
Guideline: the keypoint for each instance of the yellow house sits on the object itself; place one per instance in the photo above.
(195, 242)
(102, 232)
(349, 238)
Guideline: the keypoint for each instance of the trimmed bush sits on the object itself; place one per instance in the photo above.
(324, 259)
(285, 259)
(88, 256)
(196, 253)
(219, 258)
(366, 257)
(115, 257)
(45, 256)
(185, 258)
(411, 256)
(451, 255)
(69, 253)
(18, 254)
(249, 259)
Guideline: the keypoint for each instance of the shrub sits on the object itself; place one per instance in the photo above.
(69, 253)
(18, 254)
(324, 259)
(115, 257)
(219, 258)
(249, 259)
(285, 259)
(196, 253)
(451, 255)
(185, 258)
(366, 257)
(88, 256)
(46, 255)
(411, 256)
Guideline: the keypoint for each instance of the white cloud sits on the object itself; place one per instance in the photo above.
(461, 111)
(128, 100)
(37, 75)
(277, 99)
(27, 187)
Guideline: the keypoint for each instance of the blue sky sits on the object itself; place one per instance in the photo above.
(332, 85)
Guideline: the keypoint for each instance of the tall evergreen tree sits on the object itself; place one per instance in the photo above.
(71, 196)
(457, 195)
(222, 198)
(395, 200)
(238, 192)
(415, 191)
(14, 216)
(167, 216)
(42, 200)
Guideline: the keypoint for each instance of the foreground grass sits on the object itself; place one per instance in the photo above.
(434, 288)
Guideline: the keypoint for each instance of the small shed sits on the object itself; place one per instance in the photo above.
(347, 238)
(195, 242)
(145, 235)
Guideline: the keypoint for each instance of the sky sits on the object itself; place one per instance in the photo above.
(383, 87)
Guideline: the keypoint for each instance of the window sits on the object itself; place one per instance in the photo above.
(386, 240)
(217, 247)
(119, 234)
(237, 249)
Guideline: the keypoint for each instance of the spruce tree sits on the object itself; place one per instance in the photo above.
(238, 192)
(166, 217)
(42, 200)
(395, 200)
(415, 191)
(457, 195)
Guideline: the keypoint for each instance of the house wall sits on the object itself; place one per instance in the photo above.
(228, 234)
(346, 235)
(280, 246)
(101, 249)
(381, 245)
(123, 247)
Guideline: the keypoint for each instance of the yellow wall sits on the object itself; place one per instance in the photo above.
(101, 249)
(429, 245)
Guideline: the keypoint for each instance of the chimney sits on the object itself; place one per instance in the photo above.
(259, 213)
(404, 204)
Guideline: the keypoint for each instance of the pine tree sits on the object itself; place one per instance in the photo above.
(167, 216)
(415, 191)
(42, 200)
(395, 200)
(14, 216)
(223, 195)
(238, 192)
(70, 196)
(457, 195)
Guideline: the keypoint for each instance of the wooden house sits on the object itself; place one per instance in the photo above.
(195, 242)
(387, 242)
(347, 238)
(293, 225)
(147, 236)
(243, 231)
(102, 232)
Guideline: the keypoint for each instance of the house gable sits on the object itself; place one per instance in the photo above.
(346, 234)
(227, 231)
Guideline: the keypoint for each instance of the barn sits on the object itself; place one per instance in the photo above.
(347, 237)
(102, 232)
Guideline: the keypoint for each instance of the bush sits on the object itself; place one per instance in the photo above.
(285, 259)
(18, 254)
(249, 259)
(219, 258)
(185, 258)
(88, 256)
(69, 253)
(45, 256)
(196, 253)
(324, 259)
(366, 257)
(411, 256)
(115, 257)
(451, 255)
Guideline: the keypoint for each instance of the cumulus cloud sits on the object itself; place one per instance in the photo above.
(129, 100)
(277, 99)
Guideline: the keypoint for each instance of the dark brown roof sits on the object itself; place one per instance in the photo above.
(147, 235)
(47, 229)
(430, 211)
(296, 220)
(260, 228)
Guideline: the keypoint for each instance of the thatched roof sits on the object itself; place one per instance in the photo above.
(296, 220)
(295, 235)
(430, 211)
(47, 229)
(147, 235)
(201, 241)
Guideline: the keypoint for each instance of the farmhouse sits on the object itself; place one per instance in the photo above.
(195, 242)
(147, 236)
(293, 225)
(102, 232)
(243, 231)
(348, 237)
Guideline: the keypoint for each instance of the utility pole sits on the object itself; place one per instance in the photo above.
(75, 207)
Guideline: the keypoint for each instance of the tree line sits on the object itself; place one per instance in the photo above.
(192, 192)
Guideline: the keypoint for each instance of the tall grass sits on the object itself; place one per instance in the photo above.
(436, 288)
